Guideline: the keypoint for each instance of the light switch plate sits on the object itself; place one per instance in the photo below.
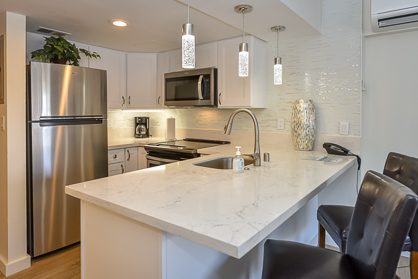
(280, 123)
(344, 128)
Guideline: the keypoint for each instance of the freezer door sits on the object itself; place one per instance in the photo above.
(62, 155)
(63, 90)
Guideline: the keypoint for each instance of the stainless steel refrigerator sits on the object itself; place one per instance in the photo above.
(66, 144)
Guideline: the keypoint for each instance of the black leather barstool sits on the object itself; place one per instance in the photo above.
(335, 219)
(382, 218)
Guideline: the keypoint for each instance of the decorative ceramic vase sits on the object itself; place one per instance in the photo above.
(303, 125)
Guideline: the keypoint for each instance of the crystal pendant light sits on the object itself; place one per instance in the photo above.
(188, 43)
(277, 72)
(243, 58)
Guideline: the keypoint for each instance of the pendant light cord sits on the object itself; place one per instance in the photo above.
(243, 13)
(188, 12)
(277, 43)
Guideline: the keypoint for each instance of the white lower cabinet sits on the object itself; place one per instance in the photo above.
(131, 159)
(142, 159)
(126, 160)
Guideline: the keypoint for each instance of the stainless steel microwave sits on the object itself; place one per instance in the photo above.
(191, 88)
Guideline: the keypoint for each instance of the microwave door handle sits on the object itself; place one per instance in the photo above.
(199, 87)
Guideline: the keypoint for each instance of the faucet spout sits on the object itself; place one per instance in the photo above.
(228, 128)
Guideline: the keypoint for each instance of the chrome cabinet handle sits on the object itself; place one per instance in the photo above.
(129, 100)
(115, 156)
(158, 101)
(129, 155)
(123, 169)
(123, 101)
(220, 98)
(199, 87)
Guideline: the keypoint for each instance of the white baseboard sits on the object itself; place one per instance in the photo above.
(14, 267)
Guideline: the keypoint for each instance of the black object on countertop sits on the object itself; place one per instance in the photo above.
(208, 141)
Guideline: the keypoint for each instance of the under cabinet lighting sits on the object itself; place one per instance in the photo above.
(143, 110)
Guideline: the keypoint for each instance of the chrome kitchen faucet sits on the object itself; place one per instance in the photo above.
(256, 156)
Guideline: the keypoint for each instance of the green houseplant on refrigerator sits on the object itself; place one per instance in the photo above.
(60, 51)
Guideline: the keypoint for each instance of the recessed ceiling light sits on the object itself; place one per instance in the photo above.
(119, 23)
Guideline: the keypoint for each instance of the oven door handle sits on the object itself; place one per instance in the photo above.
(199, 87)
(160, 159)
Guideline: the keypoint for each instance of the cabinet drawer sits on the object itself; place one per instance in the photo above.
(117, 168)
(116, 156)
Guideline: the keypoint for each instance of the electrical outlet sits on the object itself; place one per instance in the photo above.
(344, 127)
(280, 123)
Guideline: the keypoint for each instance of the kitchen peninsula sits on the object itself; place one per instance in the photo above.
(187, 221)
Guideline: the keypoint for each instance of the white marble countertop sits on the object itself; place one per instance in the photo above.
(223, 210)
(131, 142)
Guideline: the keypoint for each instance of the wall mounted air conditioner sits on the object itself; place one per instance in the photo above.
(388, 15)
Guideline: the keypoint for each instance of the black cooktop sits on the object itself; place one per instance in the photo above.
(187, 145)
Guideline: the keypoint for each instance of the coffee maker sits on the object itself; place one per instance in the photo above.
(142, 127)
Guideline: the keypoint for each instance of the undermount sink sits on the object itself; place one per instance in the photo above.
(223, 163)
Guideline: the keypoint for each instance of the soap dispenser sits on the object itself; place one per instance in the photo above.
(238, 161)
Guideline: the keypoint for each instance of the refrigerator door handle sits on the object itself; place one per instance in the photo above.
(79, 121)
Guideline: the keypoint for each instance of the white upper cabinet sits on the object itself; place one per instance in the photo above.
(141, 80)
(235, 91)
(163, 66)
(114, 62)
(206, 56)
(174, 60)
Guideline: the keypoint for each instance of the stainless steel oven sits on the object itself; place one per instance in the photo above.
(162, 158)
(156, 161)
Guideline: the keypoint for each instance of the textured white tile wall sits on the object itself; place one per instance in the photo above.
(325, 68)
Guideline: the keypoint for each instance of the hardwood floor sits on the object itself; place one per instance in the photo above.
(63, 264)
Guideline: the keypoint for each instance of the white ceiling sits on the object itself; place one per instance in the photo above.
(155, 25)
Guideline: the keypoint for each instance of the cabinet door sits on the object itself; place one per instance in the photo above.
(117, 168)
(233, 90)
(142, 159)
(142, 80)
(163, 66)
(131, 159)
(175, 60)
(207, 55)
(114, 62)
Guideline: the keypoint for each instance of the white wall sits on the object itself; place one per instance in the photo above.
(13, 256)
(390, 101)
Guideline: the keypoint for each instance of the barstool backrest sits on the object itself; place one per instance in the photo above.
(382, 218)
(405, 170)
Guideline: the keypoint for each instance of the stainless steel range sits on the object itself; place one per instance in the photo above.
(167, 152)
